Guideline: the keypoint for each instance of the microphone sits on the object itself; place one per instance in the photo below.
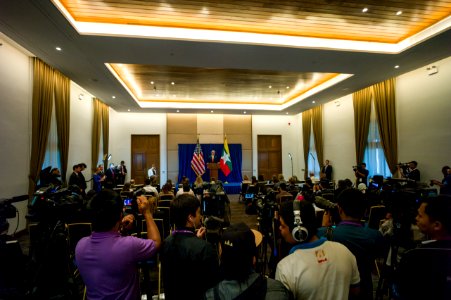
(289, 155)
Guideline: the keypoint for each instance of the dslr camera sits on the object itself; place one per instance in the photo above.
(356, 168)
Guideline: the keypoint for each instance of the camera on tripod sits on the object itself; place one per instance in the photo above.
(357, 168)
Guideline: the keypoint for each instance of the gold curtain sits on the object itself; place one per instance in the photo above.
(62, 110)
(42, 102)
(95, 142)
(317, 122)
(306, 128)
(385, 105)
(362, 112)
(105, 128)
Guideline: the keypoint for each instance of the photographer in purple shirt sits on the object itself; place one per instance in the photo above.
(108, 261)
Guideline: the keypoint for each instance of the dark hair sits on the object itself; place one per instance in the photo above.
(74, 167)
(308, 216)
(238, 250)
(181, 208)
(147, 181)
(283, 186)
(82, 165)
(185, 187)
(414, 162)
(445, 170)
(363, 164)
(439, 209)
(352, 202)
(105, 209)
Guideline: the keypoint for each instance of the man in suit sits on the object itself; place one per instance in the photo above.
(326, 171)
(152, 171)
(212, 158)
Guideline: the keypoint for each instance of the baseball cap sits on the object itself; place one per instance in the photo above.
(239, 239)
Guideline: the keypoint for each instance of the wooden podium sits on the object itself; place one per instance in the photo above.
(213, 167)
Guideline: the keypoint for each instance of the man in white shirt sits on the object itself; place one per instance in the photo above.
(152, 171)
(315, 268)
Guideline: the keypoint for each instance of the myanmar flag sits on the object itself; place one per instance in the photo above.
(226, 163)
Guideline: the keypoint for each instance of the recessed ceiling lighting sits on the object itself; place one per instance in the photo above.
(270, 86)
(288, 87)
(211, 111)
(397, 67)
(58, 48)
(114, 97)
(178, 110)
(365, 10)
(173, 83)
(399, 12)
(313, 101)
(128, 109)
(286, 113)
(244, 112)
(151, 82)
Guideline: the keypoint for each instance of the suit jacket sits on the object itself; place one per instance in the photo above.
(328, 171)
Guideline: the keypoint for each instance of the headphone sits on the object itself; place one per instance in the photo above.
(299, 233)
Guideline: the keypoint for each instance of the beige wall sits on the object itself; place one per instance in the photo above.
(184, 129)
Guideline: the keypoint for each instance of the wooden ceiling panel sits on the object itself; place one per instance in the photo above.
(202, 85)
(337, 19)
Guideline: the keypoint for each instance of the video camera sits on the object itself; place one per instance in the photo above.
(357, 168)
(8, 211)
(266, 206)
(52, 203)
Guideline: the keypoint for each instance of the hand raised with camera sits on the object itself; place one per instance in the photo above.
(145, 205)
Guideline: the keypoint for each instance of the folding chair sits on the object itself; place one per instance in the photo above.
(377, 213)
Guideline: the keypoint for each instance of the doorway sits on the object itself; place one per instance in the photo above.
(145, 152)
(269, 151)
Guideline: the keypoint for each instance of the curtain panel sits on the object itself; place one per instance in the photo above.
(62, 109)
(385, 105)
(317, 123)
(105, 128)
(362, 112)
(42, 102)
(95, 141)
(306, 128)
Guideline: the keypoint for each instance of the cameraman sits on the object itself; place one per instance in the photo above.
(411, 172)
(361, 174)
(108, 261)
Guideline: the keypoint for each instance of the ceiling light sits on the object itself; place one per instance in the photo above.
(211, 111)
(313, 101)
(399, 12)
(173, 83)
(114, 97)
(151, 82)
(286, 113)
(365, 10)
(178, 110)
(128, 109)
(270, 86)
(397, 66)
(58, 48)
(288, 87)
(244, 112)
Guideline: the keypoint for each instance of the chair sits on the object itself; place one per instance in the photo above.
(160, 225)
(284, 198)
(164, 203)
(75, 232)
(244, 187)
(425, 273)
(166, 196)
(377, 213)
(164, 214)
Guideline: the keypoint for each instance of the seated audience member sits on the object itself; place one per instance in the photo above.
(315, 268)
(365, 243)
(149, 188)
(445, 184)
(166, 189)
(238, 257)
(108, 261)
(424, 273)
(55, 176)
(185, 190)
(190, 264)
(280, 179)
(282, 191)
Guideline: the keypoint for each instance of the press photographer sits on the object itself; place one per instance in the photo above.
(361, 173)
(409, 170)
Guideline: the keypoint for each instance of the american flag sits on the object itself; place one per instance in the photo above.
(197, 163)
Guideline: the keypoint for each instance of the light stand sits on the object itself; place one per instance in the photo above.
(291, 160)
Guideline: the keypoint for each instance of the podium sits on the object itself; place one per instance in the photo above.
(213, 167)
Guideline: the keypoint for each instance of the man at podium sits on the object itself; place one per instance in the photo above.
(212, 158)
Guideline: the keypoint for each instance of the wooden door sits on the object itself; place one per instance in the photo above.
(145, 152)
(269, 149)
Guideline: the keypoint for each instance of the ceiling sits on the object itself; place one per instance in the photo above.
(253, 56)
